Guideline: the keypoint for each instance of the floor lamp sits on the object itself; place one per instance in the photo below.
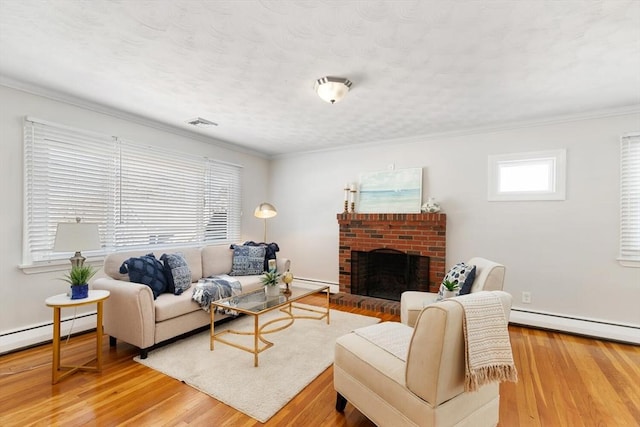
(264, 211)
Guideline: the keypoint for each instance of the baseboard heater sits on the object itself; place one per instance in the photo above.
(593, 328)
(574, 325)
(42, 333)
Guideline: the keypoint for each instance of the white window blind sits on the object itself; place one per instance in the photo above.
(69, 174)
(140, 196)
(630, 198)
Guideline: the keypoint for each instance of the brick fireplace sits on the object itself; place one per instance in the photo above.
(421, 234)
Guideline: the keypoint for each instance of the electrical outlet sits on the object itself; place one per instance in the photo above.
(526, 297)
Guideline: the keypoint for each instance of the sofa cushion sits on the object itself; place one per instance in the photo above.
(177, 272)
(463, 275)
(146, 270)
(216, 259)
(169, 306)
(247, 260)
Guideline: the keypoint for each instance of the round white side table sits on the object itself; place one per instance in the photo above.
(58, 302)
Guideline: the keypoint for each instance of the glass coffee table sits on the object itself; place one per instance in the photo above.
(258, 302)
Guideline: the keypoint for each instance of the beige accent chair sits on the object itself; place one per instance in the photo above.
(427, 389)
(489, 277)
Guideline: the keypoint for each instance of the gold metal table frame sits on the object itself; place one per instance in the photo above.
(58, 302)
(256, 303)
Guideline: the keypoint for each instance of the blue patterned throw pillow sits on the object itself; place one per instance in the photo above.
(247, 260)
(463, 275)
(270, 250)
(146, 270)
(177, 272)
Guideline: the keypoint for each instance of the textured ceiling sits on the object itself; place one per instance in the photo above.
(418, 67)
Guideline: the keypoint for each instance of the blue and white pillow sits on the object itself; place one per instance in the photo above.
(177, 273)
(461, 274)
(146, 270)
(247, 260)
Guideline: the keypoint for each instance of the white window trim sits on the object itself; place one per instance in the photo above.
(629, 255)
(220, 178)
(558, 191)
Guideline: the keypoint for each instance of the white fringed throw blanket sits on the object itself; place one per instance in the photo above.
(487, 344)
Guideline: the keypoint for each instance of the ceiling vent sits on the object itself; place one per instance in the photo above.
(200, 122)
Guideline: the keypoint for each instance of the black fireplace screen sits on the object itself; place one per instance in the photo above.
(386, 273)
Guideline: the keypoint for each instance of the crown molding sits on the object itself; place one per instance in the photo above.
(567, 118)
(120, 114)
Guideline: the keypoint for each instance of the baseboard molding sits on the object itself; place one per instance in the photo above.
(334, 288)
(42, 333)
(579, 326)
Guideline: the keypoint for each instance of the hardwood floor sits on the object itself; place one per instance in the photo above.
(563, 381)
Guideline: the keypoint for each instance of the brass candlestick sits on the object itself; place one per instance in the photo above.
(353, 201)
(346, 199)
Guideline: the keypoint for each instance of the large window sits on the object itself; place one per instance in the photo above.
(630, 200)
(539, 175)
(139, 195)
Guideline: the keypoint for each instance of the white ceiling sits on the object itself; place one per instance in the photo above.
(418, 67)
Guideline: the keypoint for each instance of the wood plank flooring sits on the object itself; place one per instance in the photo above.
(564, 380)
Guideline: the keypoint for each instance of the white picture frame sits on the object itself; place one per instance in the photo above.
(395, 191)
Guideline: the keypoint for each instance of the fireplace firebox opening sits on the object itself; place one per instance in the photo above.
(386, 273)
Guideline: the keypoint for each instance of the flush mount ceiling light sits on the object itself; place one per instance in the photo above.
(332, 89)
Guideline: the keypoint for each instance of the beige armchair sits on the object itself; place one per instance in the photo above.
(425, 390)
(489, 277)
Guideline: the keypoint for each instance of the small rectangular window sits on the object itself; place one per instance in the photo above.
(537, 175)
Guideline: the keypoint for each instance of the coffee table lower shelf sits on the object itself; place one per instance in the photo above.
(257, 303)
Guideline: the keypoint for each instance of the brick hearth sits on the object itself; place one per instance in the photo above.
(415, 234)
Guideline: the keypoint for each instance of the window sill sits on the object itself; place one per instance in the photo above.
(57, 265)
(633, 263)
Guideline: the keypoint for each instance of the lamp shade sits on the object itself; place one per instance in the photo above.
(76, 236)
(265, 210)
(332, 89)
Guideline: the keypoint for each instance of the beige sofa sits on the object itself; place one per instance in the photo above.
(426, 390)
(132, 315)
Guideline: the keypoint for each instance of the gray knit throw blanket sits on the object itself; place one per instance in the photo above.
(487, 345)
(214, 288)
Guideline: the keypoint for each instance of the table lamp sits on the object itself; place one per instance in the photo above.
(76, 237)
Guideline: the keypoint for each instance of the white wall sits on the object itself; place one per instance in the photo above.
(563, 252)
(22, 295)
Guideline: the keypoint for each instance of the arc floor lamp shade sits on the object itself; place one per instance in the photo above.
(265, 210)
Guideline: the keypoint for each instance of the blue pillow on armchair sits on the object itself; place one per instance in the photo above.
(146, 270)
(463, 275)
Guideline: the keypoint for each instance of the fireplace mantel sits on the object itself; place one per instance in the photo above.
(416, 234)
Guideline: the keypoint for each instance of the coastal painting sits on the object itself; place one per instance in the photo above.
(396, 191)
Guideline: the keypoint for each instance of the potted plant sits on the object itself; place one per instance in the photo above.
(450, 289)
(270, 281)
(78, 278)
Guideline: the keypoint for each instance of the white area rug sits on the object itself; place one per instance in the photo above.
(300, 353)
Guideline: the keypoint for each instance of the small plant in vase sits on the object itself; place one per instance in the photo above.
(450, 289)
(270, 281)
(78, 278)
